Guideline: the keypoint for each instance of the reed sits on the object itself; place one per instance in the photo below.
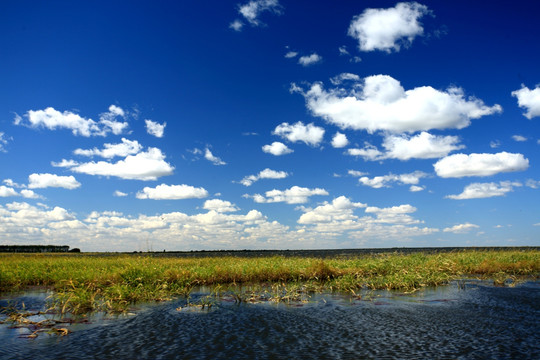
(97, 282)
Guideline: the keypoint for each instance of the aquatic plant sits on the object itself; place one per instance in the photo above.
(84, 283)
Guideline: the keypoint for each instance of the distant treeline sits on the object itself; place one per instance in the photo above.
(36, 248)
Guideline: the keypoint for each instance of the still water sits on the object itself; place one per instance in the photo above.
(459, 321)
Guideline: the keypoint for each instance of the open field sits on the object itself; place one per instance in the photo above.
(112, 282)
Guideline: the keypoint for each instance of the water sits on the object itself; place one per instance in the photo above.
(474, 321)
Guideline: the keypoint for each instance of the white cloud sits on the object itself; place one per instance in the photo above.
(339, 210)
(148, 165)
(337, 227)
(529, 100)
(65, 163)
(264, 174)
(294, 195)
(356, 173)
(11, 183)
(109, 122)
(127, 147)
(172, 192)
(337, 80)
(41, 181)
(340, 140)
(405, 147)
(53, 119)
(388, 29)
(277, 148)
(533, 184)
(309, 134)
(307, 60)
(3, 142)
(154, 128)
(213, 159)
(461, 228)
(220, 206)
(343, 50)
(119, 193)
(421, 146)
(236, 25)
(29, 194)
(378, 182)
(7, 191)
(519, 138)
(380, 103)
(416, 188)
(291, 54)
(494, 144)
(485, 190)
(393, 215)
(460, 165)
(253, 9)
(369, 152)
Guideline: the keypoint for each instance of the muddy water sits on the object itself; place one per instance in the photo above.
(474, 321)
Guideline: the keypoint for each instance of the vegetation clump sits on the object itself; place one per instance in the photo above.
(83, 283)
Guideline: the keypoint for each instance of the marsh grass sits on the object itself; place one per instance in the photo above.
(83, 283)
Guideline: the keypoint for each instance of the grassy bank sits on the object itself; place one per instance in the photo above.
(84, 283)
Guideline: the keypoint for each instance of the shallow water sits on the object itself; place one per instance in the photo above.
(474, 321)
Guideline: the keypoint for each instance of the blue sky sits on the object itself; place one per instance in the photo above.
(269, 124)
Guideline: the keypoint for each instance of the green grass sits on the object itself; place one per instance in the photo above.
(93, 282)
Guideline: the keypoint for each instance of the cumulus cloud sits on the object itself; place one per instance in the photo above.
(154, 128)
(529, 100)
(26, 224)
(277, 148)
(485, 190)
(339, 210)
(252, 11)
(388, 29)
(213, 159)
(308, 60)
(264, 174)
(172, 192)
(421, 146)
(125, 148)
(148, 165)
(294, 195)
(308, 134)
(220, 206)
(405, 147)
(461, 228)
(394, 214)
(461, 165)
(41, 181)
(109, 122)
(53, 119)
(378, 182)
(119, 193)
(380, 103)
(7, 191)
(340, 140)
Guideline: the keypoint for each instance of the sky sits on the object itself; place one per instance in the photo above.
(269, 124)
